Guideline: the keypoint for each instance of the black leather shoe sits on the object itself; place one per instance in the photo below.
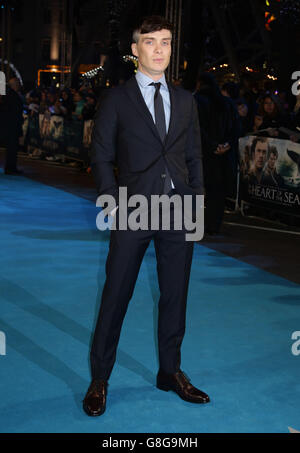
(94, 402)
(180, 384)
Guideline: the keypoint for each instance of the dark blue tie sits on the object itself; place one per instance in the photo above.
(160, 122)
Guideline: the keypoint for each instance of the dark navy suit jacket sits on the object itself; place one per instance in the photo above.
(125, 137)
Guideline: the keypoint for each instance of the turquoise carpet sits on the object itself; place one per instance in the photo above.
(237, 347)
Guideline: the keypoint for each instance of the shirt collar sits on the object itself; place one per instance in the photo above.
(144, 80)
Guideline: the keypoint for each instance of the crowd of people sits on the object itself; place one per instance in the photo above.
(231, 111)
(259, 108)
(264, 110)
(70, 103)
(226, 113)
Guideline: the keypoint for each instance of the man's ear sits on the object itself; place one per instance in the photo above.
(134, 49)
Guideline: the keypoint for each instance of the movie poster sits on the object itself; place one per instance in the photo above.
(73, 135)
(270, 173)
(56, 131)
(24, 129)
(44, 123)
(32, 137)
(53, 134)
(87, 133)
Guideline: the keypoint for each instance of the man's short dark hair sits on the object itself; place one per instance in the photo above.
(254, 143)
(151, 24)
(272, 150)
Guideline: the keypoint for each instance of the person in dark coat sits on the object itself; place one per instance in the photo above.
(11, 125)
(270, 115)
(219, 126)
(89, 109)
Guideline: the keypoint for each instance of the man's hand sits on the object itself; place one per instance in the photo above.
(221, 149)
(272, 132)
(294, 138)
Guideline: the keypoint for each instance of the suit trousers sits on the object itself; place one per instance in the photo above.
(126, 252)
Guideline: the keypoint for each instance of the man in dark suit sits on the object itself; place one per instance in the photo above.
(11, 114)
(149, 130)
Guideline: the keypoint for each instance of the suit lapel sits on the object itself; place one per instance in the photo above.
(173, 117)
(136, 97)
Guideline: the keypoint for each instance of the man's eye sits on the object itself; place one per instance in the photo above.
(165, 43)
(148, 42)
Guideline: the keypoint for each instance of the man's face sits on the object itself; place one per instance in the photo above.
(272, 161)
(14, 84)
(153, 51)
(260, 154)
(243, 110)
(77, 97)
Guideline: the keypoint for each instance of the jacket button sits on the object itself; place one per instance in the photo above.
(163, 175)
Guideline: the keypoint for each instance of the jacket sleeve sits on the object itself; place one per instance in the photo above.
(194, 152)
(103, 147)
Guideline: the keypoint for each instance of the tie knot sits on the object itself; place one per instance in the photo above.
(156, 85)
